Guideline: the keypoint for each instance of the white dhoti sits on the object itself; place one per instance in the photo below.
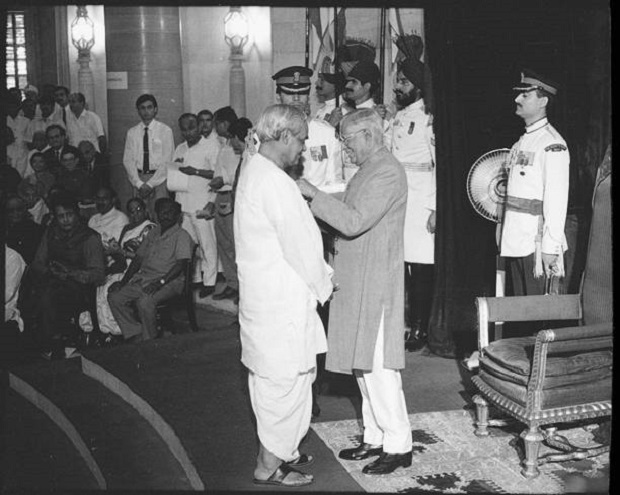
(283, 408)
(384, 410)
(203, 233)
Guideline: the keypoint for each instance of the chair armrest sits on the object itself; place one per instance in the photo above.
(524, 308)
(576, 333)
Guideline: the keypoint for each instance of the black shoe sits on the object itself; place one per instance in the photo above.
(416, 338)
(361, 452)
(227, 293)
(387, 463)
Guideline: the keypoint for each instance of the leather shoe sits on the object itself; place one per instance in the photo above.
(387, 463)
(361, 452)
(227, 293)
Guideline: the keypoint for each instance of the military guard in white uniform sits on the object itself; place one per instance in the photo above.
(532, 230)
(411, 140)
(317, 165)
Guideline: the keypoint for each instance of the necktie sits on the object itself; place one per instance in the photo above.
(145, 148)
(64, 115)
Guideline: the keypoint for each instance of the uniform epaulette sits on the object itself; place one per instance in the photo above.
(555, 147)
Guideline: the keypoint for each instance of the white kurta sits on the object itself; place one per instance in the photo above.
(109, 225)
(411, 140)
(198, 194)
(539, 170)
(282, 273)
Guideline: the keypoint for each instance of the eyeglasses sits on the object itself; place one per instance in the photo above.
(345, 139)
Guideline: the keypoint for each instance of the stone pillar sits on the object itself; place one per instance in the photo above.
(143, 44)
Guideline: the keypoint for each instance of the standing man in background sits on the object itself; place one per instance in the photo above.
(148, 152)
(532, 230)
(317, 165)
(411, 140)
(192, 159)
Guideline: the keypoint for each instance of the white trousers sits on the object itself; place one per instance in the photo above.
(384, 410)
(203, 233)
(283, 407)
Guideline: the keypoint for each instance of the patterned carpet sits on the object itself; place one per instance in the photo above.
(449, 458)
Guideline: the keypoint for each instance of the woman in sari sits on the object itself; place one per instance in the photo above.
(121, 253)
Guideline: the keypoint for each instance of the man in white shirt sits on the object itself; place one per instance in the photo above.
(148, 152)
(61, 96)
(282, 278)
(84, 125)
(532, 229)
(192, 159)
(47, 118)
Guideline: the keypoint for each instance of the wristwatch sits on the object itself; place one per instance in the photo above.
(162, 281)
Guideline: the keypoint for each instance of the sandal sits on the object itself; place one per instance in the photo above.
(302, 460)
(280, 475)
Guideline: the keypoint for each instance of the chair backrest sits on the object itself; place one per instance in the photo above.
(597, 287)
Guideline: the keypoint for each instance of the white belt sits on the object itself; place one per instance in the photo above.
(418, 167)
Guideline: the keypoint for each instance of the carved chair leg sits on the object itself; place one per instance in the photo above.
(532, 439)
(571, 451)
(482, 416)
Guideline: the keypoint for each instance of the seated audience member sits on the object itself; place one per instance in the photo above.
(35, 204)
(84, 125)
(75, 179)
(121, 253)
(22, 234)
(39, 145)
(109, 221)
(67, 267)
(57, 141)
(156, 274)
(226, 166)
(14, 268)
(16, 153)
(94, 163)
(42, 179)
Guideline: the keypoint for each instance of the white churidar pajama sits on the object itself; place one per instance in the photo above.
(384, 410)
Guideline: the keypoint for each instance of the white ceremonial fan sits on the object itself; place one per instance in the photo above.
(486, 184)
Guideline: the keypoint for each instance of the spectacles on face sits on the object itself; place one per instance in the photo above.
(137, 209)
(345, 139)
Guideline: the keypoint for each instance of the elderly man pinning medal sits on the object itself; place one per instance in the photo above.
(532, 230)
(366, 317)
(282, 278)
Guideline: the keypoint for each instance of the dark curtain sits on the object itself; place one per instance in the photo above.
(464, 243)
(475, 51)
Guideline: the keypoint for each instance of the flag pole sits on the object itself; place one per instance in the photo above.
(307, 37)
(382, 54)
(336, 62)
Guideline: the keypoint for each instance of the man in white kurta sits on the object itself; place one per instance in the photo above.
(282, 278)
(411, 140)
(193, 160)
(532, 229)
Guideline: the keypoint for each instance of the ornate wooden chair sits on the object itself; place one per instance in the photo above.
(558, 376)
